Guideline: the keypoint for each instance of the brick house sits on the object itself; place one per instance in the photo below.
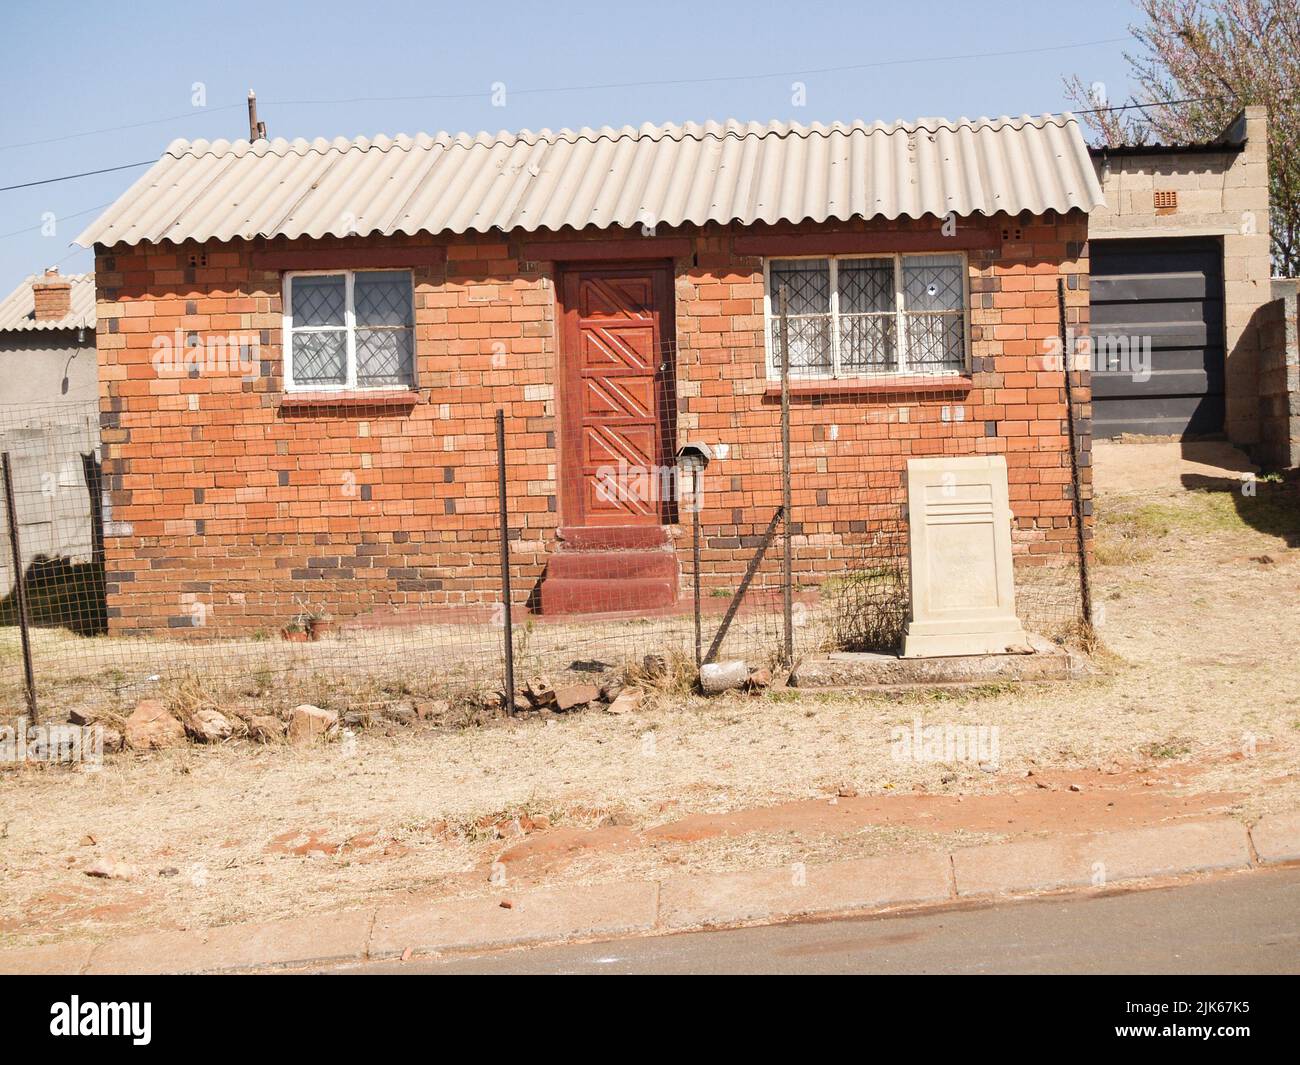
(303, 345)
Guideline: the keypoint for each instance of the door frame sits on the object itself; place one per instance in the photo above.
(568, 466)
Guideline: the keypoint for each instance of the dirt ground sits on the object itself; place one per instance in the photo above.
(1194, 708)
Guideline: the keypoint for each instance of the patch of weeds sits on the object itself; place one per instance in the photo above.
(1273, 509)
(1163, 750)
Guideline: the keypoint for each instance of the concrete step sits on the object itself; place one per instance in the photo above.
(613, 537)
(611, 565)
(565, 595)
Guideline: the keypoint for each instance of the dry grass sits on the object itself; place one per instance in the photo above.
(1201, 644)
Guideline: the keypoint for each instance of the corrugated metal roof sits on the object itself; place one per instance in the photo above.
(18, 309)
(670, 175)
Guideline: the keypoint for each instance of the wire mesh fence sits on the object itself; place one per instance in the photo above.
(658, 511)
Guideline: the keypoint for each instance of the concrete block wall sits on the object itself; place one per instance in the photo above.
(1223, 195)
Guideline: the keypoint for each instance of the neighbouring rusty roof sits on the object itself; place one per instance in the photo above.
(18, 309)
(670, 175)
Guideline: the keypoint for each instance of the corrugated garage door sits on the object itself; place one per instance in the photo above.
(1171, 291)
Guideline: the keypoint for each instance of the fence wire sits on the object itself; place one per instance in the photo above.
(357, 562)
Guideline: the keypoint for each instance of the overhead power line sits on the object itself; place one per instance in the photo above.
(705, 81)
(69, 177)
(1084, 111)
(540, 90)
(58, 218)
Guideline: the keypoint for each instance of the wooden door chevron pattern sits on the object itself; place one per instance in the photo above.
(616, 367)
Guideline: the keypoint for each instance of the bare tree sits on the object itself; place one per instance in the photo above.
(1211, 58)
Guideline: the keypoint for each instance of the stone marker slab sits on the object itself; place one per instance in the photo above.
(962, 588)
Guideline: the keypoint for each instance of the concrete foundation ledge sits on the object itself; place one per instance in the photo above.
(1101, 859)
(1277, 837)
(801, 891)
(861, 669)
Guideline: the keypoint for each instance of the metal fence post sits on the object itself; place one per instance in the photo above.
(787, 563)
(695, 559)
(1085, 584)
(20, 590)
(505, 562)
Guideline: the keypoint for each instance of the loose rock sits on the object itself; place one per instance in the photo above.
(310, 723)
(209, 726)
(575, 695)
(432, 709)
(718, 677)
(628, 700)
(541, 692)
(263, 728)
(152, 727)
(108, 869)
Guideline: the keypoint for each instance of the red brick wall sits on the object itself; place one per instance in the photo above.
(230, 507)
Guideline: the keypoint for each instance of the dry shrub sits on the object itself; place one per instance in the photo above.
(673, 673)
(868, 607)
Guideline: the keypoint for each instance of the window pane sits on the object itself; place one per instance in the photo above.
(867, 343)
(319, 358)
(935, 342)
(382, 297)
(810, 346)
(866, 285)
(318, 300)
(807, 282)
(933, 283)
(384, 357)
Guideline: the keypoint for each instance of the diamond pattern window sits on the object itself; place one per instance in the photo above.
(857, 316)
(807, 287)
(349, 330)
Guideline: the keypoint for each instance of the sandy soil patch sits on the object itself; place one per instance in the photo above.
(1196, 710)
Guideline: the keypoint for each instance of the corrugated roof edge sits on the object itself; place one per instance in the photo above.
(146, 188)
(700, 131)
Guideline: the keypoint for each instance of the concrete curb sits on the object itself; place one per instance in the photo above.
(1277, 837)
(1102, 858)
(607, 911)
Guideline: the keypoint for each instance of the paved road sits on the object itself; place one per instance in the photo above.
(1249, 923)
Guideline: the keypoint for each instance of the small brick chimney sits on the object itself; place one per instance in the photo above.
(53, 296)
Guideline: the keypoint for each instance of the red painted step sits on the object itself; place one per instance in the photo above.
(612, 537)
(564, 596)
(611, 565)
(610, 570)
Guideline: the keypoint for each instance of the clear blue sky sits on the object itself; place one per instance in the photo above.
(70, 68)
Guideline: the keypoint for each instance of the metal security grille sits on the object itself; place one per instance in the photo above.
(351, 329)
(856, 316)
(934, 304)
(868, 322)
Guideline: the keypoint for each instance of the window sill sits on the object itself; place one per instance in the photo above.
(928, 384)
(351, 400)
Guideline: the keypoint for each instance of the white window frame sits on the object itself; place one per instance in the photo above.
(771, 315)
(287, 330)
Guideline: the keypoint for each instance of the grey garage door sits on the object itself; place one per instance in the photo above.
(1172, 292)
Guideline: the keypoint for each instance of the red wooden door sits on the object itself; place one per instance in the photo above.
(616, 461)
